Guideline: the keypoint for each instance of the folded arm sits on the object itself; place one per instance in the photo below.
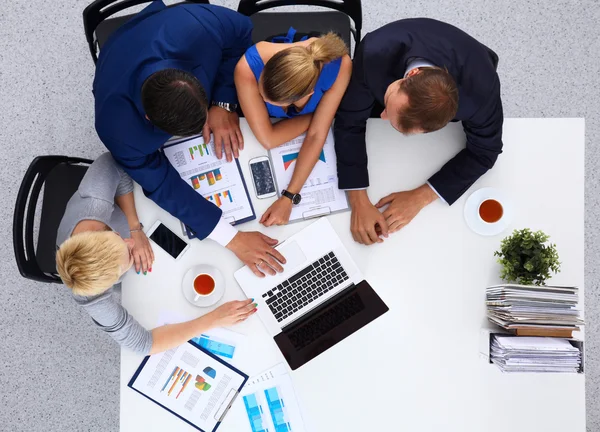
(484, 144)
(319, 127)
(350, 128)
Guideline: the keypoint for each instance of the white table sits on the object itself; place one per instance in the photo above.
(416, 368)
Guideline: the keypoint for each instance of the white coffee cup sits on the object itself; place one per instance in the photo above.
(203, 285)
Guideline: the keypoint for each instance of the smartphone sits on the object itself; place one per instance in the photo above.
(262, 176)
(167, 240)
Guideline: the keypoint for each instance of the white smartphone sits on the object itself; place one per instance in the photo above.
(262, 177)
(170, 242)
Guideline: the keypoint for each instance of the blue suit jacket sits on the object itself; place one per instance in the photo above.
(205, 40)
(382, 58)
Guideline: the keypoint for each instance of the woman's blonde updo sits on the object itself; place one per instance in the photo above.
(293, 73)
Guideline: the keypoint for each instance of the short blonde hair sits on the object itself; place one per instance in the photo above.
(90, 262)
(293, 73)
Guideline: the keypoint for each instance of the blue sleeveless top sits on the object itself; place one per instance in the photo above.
(328, 75)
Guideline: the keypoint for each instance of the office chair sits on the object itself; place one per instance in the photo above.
(273, 23)
(97, 25)
(60, 176)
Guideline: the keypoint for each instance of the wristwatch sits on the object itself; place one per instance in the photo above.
(230, 107)
(296, 198)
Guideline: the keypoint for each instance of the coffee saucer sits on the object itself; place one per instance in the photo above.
(187, 285)
(473, 219)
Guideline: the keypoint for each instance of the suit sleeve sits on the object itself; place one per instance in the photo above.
(163, 185)
(350, 127)
(236, 38)
(484, 144)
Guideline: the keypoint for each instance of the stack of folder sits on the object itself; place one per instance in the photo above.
(529, 310)
(534, 354)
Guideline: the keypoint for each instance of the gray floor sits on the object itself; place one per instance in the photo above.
(57, 372)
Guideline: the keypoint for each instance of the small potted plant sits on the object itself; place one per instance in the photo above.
(527, 258)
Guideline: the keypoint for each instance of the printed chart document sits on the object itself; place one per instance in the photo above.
(191, 383)
(229, 345)
(270, 402)
(320, 194)
(217, 180)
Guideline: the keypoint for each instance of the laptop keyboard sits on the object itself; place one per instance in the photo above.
(327, 321)
(305, 286)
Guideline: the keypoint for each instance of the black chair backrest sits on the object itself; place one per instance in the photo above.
(352, 8)
(100, 10)
(60, 176)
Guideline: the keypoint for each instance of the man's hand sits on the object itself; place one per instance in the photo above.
(367, 223)
(278, 213)
(225, 126)
(404, 206)
(257, 251)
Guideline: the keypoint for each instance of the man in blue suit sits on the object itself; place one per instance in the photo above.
(169, 71)
(419, 74)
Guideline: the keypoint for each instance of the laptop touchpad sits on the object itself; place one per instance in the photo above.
(293, 255)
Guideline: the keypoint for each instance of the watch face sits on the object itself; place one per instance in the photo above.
(296, 199)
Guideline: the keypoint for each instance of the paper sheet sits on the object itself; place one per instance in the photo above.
(226, 344)
(534, 354)
(217, 180)
(270, 403)
(190, 383)
(320, 194)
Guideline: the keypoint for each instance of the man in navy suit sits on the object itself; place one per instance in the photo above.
(419, 74)
(169, 71)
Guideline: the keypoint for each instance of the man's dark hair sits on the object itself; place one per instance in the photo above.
(175, 101)
(432, 98)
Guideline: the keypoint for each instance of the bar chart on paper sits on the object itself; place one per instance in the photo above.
(217, 180)
(217, 346)
(290, 158)
(198, 151)
(320, 193)
(270, 403)
(207, 179)
(223, 200)
(177, 382)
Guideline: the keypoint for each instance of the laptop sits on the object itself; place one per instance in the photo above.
(320, 298)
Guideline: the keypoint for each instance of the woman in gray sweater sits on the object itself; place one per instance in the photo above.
(100, 239)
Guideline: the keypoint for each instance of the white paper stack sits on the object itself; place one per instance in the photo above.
(527, 306)
(534, 354)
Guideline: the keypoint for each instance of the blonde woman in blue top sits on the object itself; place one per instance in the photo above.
(301, 82)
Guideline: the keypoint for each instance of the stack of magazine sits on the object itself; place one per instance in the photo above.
(530, 310)
(534, 354)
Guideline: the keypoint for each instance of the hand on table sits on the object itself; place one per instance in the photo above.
(143, 256)
(404, 206)
(278, 213)
(257, 251)
(367, 223)
(225, 126)
(232, 312)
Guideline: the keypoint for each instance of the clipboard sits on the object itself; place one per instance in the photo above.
(320, 193)
(177, 385)
(231, 218)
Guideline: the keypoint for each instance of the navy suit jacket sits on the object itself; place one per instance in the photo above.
(382, 58)
(205, 40)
